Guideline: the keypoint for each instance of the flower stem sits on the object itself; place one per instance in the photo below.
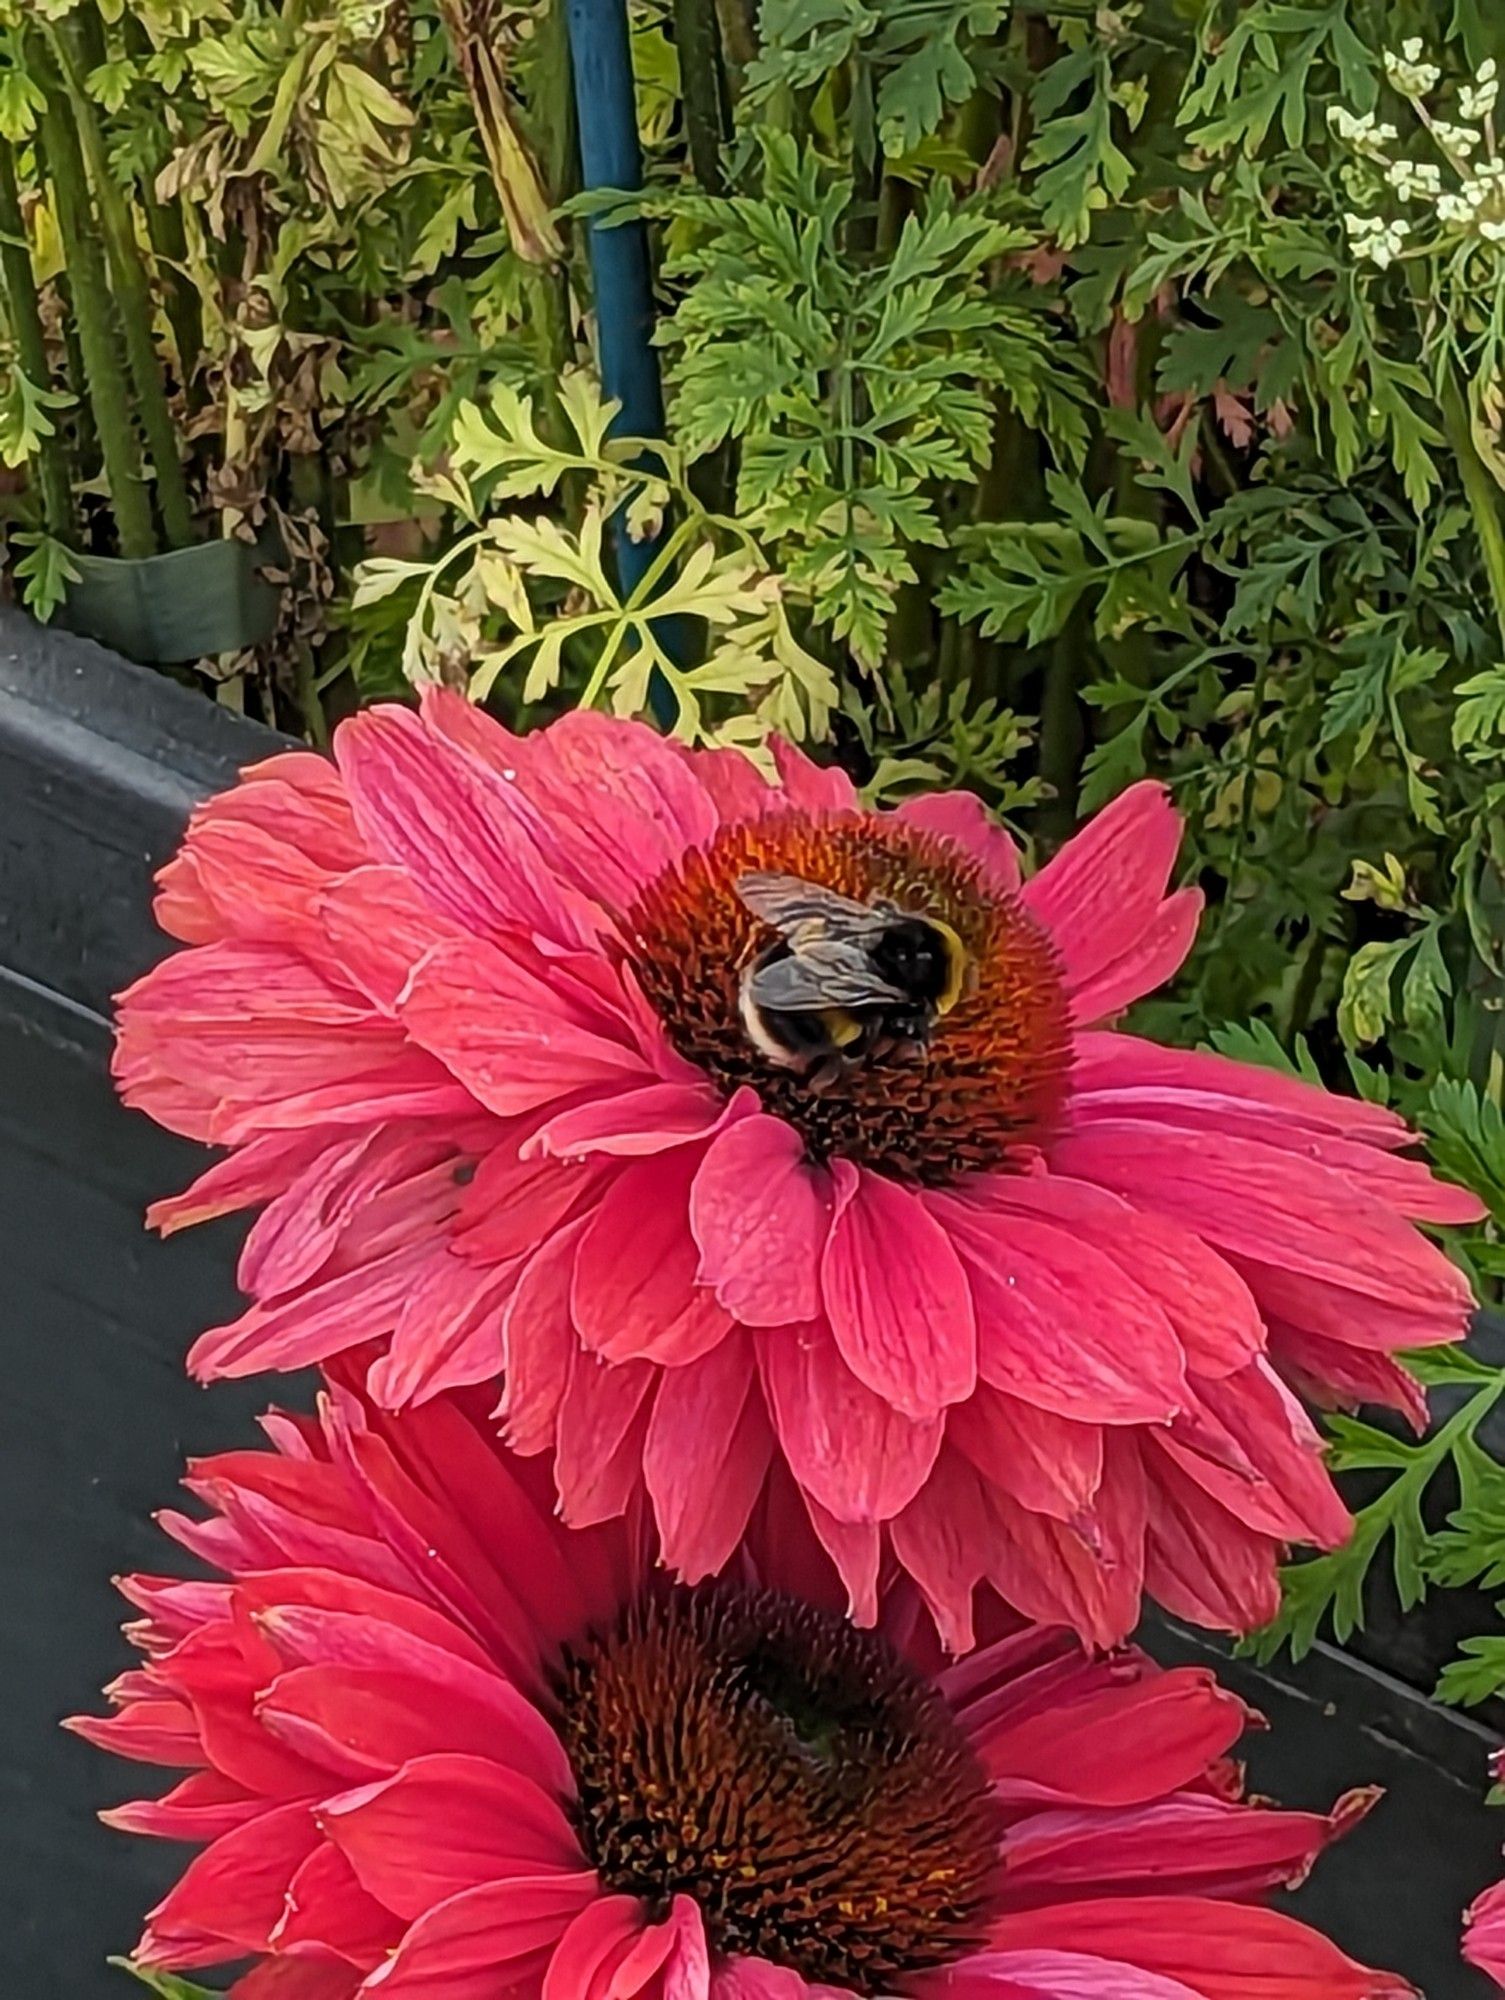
(697, 37)
(104, 374)
(133, 291)
(165, 231)
(53, 484)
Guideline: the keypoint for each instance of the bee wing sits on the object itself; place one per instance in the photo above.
(827, 972)
(787, 903)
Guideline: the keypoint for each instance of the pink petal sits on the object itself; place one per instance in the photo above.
(850, 1450)
(636, 1295)
(593, 1947)
(1174, 1083)
(539, 1342)
(1086, 1574)
(1053, 1975)
(705, 1457)
(1221, 1951)
(507, 1033)
(810, 786)
(375, 927)
(456, 828)
(619, 804)
(232, 1894)
(1119, 1746)
(1201, 1562)
(1352, 1318)
(199, 1808)
(1102, 899)
(1484, 1939)
(761, 1214)
(238, 878)
(365, 1722)
(670, 1960)
(855, 1549)
(944, 1539)
(897, 1297)
(256, 1173)
(1048, 1464)
(463, 1949)
(444, 1824)
(301, 1229)
(1335, 1375)
(963, 819)
(448, 1334)
(328, 1912)
(733, 783)
(513, 1203)
(1258, 1201)
(602, 1424)
(1206, 1845)
(1060, 1324)
(1247, 1442)
(1211, 1308)
(629, 1124)
(296, 1979)
(756, 1979)
(358, 1306)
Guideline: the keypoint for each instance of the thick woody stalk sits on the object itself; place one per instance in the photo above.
(133, 293)
(53, 483)
(105, 374)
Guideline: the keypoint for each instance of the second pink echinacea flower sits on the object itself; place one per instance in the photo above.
(439, 1747)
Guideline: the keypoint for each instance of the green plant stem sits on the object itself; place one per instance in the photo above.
(1481, 492)
(132, 290)
(169, 241)
(697, 37)
(739, 37)
(53, 485)
(104, 372)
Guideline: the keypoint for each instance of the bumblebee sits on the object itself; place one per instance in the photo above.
(844, 980)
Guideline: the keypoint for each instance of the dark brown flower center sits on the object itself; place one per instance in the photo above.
(811, 1792)
(992, 1077)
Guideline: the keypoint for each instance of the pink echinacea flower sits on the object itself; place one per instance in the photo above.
(1484, 1936)
(440, 1747)
(1023, 1309)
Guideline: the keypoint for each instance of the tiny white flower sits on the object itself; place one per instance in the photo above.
(1492, 232)
(1477, 100)
(1460, 139)
(1412, 178)
(1411, 76)
(1453, 208)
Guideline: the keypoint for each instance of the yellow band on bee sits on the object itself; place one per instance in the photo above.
(958, 958)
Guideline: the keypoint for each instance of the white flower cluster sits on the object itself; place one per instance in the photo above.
(1460, 139)
(1471, 161)
(1415, 180)
(1411, 76)
(1372, 237)
(1477, 99)
(1363, 132)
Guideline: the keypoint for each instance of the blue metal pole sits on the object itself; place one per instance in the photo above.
(610, 157)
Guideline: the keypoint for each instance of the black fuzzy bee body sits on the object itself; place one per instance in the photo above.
(843, 980)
